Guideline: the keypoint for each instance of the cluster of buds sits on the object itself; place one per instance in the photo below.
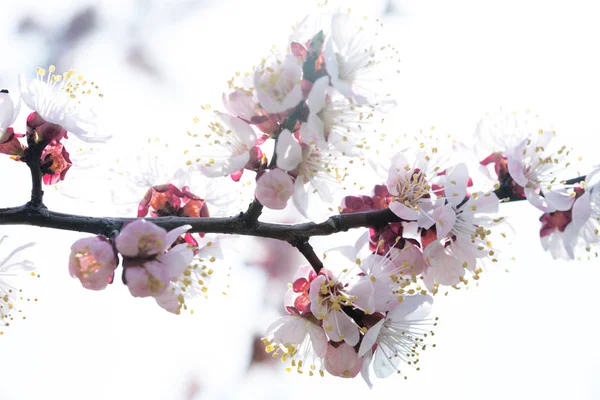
(153, 264)
(171, 267)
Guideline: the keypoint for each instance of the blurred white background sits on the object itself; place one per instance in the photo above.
(528, 333)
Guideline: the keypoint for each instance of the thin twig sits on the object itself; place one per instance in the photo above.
(309, 253)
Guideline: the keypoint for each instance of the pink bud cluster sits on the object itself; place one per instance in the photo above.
(152, 263)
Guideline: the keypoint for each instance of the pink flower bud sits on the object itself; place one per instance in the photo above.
(43, 130)
(93, 261)
(342, 361)
(54, 162)
(274, 188)
(11, 144)
(141, 239)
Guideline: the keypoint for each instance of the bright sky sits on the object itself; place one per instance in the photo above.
(528, 333)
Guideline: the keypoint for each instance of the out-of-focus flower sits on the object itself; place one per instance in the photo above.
(357, 66)
(12, 265)
(8, 113)
(54, 163)
(278, 83)
(397, 338)
(536, 165)
(274, 188)
(93, 261)
(64, 100)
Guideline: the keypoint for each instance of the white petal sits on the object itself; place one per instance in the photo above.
(316, 98)
(559, 199)
(7, 110)
(292, 331)
(318, 339)
(288, 150)
(456, 184)
(370, 338)
(445, 217)
(173, 234)
(177, 259)
(404, 212)
(342, 326)
(412, 308)
(241, 128)
(313, 131)
(515, 166)
(384, 364)
(365, 371)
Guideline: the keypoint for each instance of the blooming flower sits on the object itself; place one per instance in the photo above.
(8, 113)
(299, 340)
(536, 166)
(54, 163)
(413, 193)
(63, 100)
(93, 261)
(397, 338)
(229, 146)
(314, 170)
(11, 266)
(277, 82)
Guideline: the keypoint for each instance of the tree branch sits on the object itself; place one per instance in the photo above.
(308, 252)
(33, 153)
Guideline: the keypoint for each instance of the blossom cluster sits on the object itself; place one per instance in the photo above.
(528, 163)
(314, 99)
(361, 317)
(156, 263)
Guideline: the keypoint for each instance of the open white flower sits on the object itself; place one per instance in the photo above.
(228, 146)
(64, 100)
(536, 164)
(397, 338)
(315, 171)
(277, 83)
